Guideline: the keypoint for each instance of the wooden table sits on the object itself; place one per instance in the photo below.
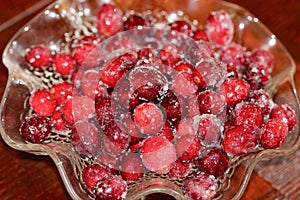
(25, 176)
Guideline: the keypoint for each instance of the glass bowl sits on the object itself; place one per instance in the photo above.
(65, 18)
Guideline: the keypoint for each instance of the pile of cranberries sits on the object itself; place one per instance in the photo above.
(156, 109)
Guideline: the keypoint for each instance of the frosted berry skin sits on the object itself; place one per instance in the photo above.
(211, 102)
(286, 113)
(38, 57)
(241, 139)
(132, 167)
(42, 102)
(61, 92)
(179, 169)
(248, 113)
(182, 26)
(111, 188)
(109, 20)
(158, 154)
(35, 128)
(215, 162)
(135, 22)
(108, 161)
(200, 186)
(234, 56)
(274, 133)
(188, 147)
(63, 63)
(104, 110)
(93, 173)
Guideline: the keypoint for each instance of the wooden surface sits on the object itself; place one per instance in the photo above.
(25, 176)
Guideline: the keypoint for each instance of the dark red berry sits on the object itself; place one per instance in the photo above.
(234, 56)
(263, 100)
(257, 75)
(182, 26)
(35, 128)
(109, 19)
(58, 122)
(188, 147)
(111, 188)
(285, 113)
(169, 50)
(109, 161)
(42, 102)
(215, 162)
(274, 133)
(241, 139)
(211, 102)
(132, 167)
(248, 113)
(105, 108)
(62, 91)
(63, 63)
(93, 173)
(261, 56)
(200, 34)
(136, 22)
(38, 57)
(179, 169)
(172, 107)
(167, 132)
(158, 154)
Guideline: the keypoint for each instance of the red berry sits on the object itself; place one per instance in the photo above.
(211, 102)
(136, 22)
(38, 57)
(167, 132)
(109, 161)
(248, 113)
(215, 162)
(169, 50)
(109, 19)
(132, 167)
(188, 147)
(111, 188)
(200, 34)
(35, 128)
(158, 154)
(172, 107)
(63, 63)
(274, 133)
(285, 113)
(200, 186)
(241, 139)
(105, 108)
(185, 127)
(149, 118)
(179, 169)
(193, 105)
(42, 102)
(261, 56)
(209, 129)
(58, 121)
(93, 173)
(219, 28)
(235, 90)
(62, 91)
(257, 75)
(263, 100)
(86, 139)
(234, 56)
(182, 26)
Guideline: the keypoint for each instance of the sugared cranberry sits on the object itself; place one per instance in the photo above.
(38, 57)
(240, 139)
(132, 167)
(188, 147)
(63, 63)
(172, 107)
(149, 118)
(132, 129)
(109, 19)
(93, 173)
(182, 26)
(185, 127)
(257, 75)
(42, 102)
(109, 161)
(193, 105)
(136, 22)
(86, 139)
(200, 34)
(261, 56)
(219, 28)
(235, 90)
(35, 128)
(211, 102)
(263, 100)
(274, 133)
(62, 91)
(248, 113)
(58, 121)
(209, 129)
(179, 169)
(158, 154)
(105, 110)
(234, 56)
(111, 188)
(169, 50)
(215, 162)
(286, 113)
(167, 132)
(200, 186)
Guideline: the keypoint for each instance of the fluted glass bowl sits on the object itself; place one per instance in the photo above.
(64, 18)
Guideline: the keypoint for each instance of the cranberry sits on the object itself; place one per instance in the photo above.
(158, 154)
(109, 19)
(234, 56)
(146, 54)
(85, 138)
(83, 108)
(188, 147)
(109, 161)
(167, 132)
(38, 57)
(286, 113)
(219, 28)
(136, 22)
(248, 113)
(182, 26)
(241, 139)
(179, 169)
(90, 85)
(93, 173)
(169, 50)
(215, 162)
(132, 167)
(235, 90)
(58, 121)
(149, 118)
(274, 133)
(257, 75)
(62, 91)
(63, 63)
(200, 34)
(42, 102)
(211, 102)
(263, 100)
(209, 129)
(172, 107)
(193, 105)
(200, 186)
(35, 128)
(111, 188)
(185, 127)
(105, 108)
(261, 56)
